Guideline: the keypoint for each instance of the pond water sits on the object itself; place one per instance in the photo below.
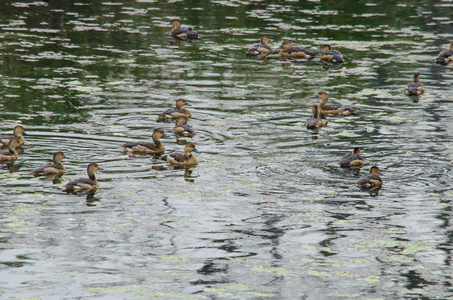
(268, 213)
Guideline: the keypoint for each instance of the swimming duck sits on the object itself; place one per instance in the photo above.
(297, 52)
(18, 132)
(186, 159)
(85, 183)
(353, 159)
(414, 87)
(146, 147)
(260, 49)
(371, 179)
(54, 168)
(316, 121)
(445, 56)
(330, 56)
(10, 154)
(179, 110)
(334, 109)
(182, 32)
(182, 128)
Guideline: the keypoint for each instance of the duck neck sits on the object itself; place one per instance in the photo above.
(12, 149)
(157, 142)
(92, 176)
(322, 103)
(315, 111)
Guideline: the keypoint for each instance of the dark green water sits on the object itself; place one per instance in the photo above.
(267, 213)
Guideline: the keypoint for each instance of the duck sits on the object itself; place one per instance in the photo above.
(178, 110)
(316, 121)
(85, 183)
(186, 159)
(353, 159)
(334, 109)
(54, 168)
(10, 154)
(147, 147)
(414, 87)
(287, 50)
(445, 56)
(182, 128)
(260, 49)
(372, 179)
(18, 132)
(182, 32)
(330, 56)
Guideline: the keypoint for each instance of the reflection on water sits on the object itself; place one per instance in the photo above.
(268, 212)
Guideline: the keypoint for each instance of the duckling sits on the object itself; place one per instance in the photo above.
(10, 154)
(54, 168)
(353, 159)
(316, 121)
(335, 109)
(371, 179)
(182, 128)
(182, 32)
(145, 147)
(260, 49)
(18, 132)
(178, 110)
(297, 52)
(445, 56)
(414, 87)
(186, 159)
(330, 56)
(85, 183)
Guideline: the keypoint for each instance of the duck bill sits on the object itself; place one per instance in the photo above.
(196, 151)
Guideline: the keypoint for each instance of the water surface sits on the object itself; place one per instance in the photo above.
(267, 213)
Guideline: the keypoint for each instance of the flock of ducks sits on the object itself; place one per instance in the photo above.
(331, 57)
(180, 115)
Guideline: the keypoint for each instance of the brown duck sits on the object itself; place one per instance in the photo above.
(178, 110)
(287, 50)
(329, 56)
(18, 132)
(182, 32)
(445, 56)
(85, 183)
(335, 109)
(10, 154)
(260, 49)
(56, 167)
(415, 87)
(182, 128)
(353, 159)
(316, 121)
(147, 147)
(372, 179)
(186, 159)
